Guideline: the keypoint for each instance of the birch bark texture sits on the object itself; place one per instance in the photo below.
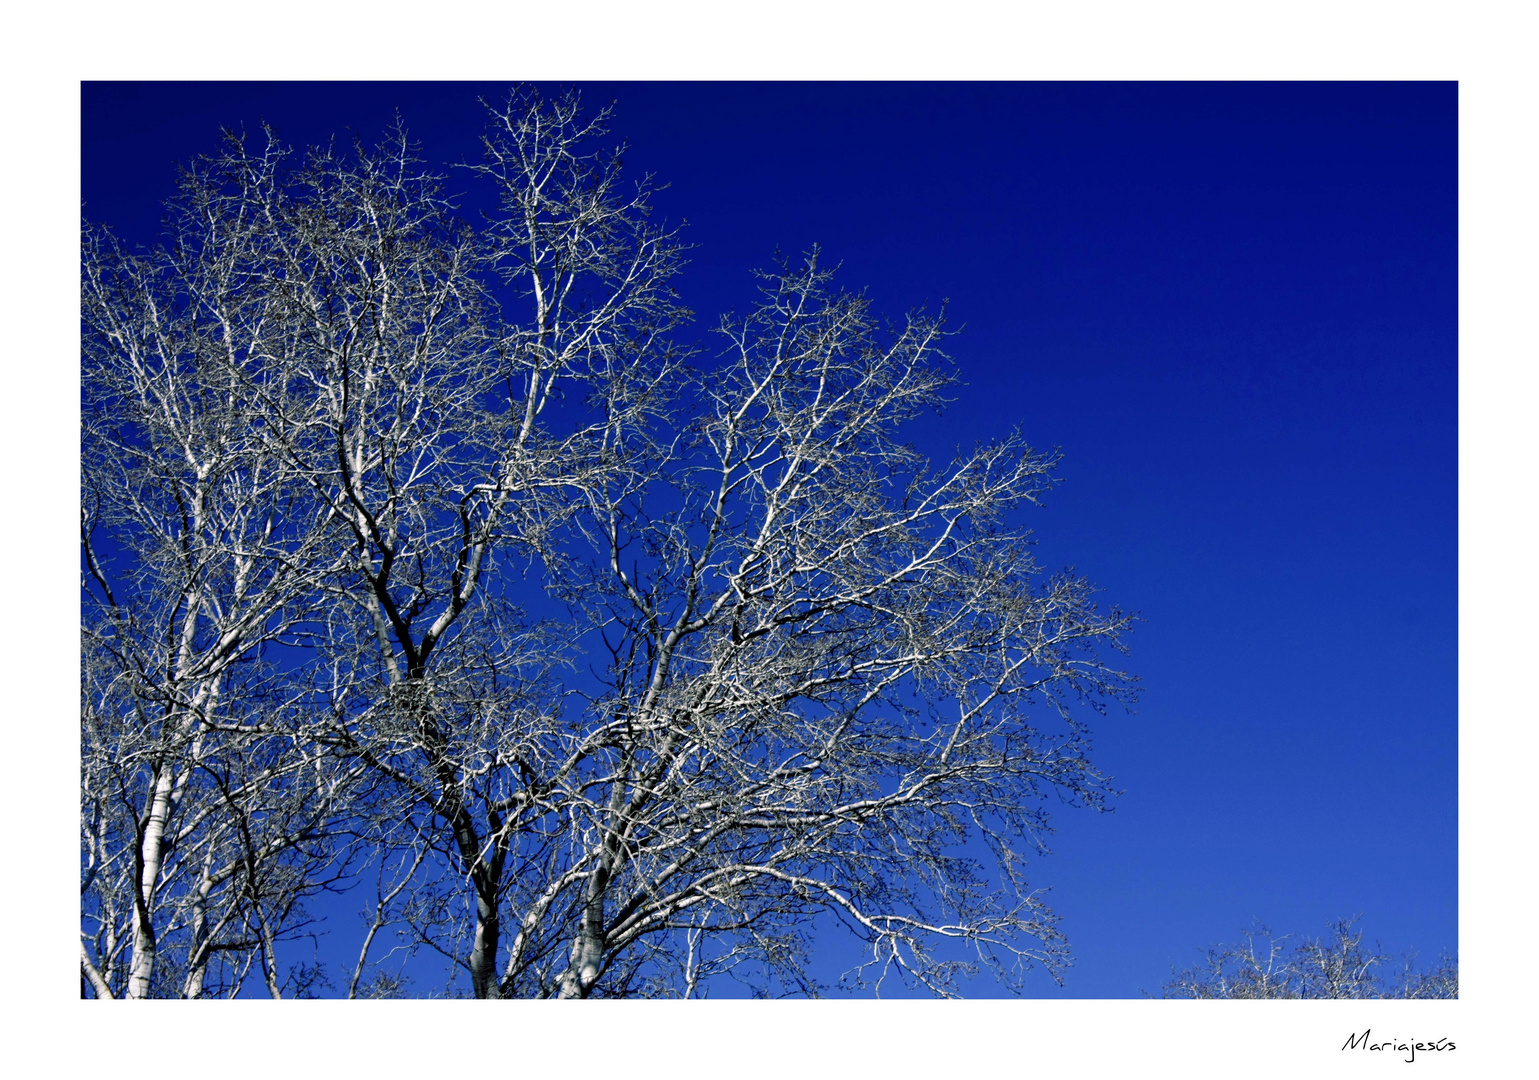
(622, 665)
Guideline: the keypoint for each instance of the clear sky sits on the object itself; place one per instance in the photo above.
(1232, 305)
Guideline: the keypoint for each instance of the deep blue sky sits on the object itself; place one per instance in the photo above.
(1234, 308)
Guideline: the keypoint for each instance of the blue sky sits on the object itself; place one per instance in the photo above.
(1234, 306)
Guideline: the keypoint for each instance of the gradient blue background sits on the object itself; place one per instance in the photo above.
(1234, 308)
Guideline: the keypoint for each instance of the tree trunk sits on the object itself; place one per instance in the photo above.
(151, 850)
(588, 949)
(483, 952)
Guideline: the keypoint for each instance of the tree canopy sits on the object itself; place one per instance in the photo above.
(1339, 966)
(432, 563)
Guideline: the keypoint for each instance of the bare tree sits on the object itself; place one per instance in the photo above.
(1263, 966)
(821, 656)
(427, 431)
(201, 550)
(788, 672)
